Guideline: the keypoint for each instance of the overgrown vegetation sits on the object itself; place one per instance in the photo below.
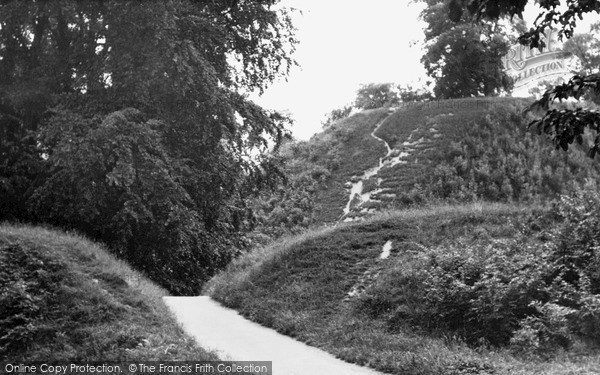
(535, 296)
(468, 289)
(479, 149)
(65, 298)
(460, 150)
(563, 125)
(127, 122)
(462, 57)
(317, 171)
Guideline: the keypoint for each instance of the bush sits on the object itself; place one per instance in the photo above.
(494, 158)
(112, 179)
(537, 296)
(577, 244)
(542, 334)
(477, 294)
(24, 277)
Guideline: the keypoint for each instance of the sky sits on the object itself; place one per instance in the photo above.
(343, 44)
(346, 43)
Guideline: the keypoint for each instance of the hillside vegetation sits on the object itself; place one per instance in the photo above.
(472, 289)
(460, 150)
(454, 241)
(65, 298)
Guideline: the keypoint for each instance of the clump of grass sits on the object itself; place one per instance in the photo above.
(66, 298)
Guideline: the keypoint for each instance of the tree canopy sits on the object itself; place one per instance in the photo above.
(463, 58)
(376, 95)
(128, 121)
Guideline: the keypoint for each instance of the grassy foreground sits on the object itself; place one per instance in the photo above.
(64, 298)
(300, 286)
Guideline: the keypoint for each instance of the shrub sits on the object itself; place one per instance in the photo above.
(576, 243)
(477, 294)
(537, 296)
(24, 277)
(542, 334)
(112, 179)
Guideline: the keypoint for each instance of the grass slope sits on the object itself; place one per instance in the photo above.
(456, 150)
(299, 286)
(345, 149)
(64, 298)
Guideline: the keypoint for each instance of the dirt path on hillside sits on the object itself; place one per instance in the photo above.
(235, 338)
(390, 159)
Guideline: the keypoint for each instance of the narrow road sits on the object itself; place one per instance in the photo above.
(235, 338)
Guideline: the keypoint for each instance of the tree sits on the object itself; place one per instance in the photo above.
(464, 59)
(137, 127)
(337, 114)
(376, 95)
(409, 94)
(563, 125)
(586, 47)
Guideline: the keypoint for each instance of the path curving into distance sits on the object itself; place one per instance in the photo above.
(235, 338)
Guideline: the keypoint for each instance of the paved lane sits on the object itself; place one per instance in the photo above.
(235, 338)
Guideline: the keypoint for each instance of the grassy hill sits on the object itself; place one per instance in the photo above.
(443, 238)
(458, 283)
(64, 298)
(460, 150)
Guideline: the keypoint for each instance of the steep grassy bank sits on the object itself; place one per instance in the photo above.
(447, 151)
(467, 149)
(334, 289)
(63, 298)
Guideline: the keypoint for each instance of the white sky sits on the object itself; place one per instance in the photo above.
(346, 43)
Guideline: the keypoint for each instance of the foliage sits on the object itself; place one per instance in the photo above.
(163, 78)
(20, 290)
(290, 208)
(317, 171)
(477, 293)
(409, 94)
(586, 48)
(115, 181)
(497, 160)
(376, 95)
(457, 150)
(472, 270)
(536, 296)
(551, 13)
(564, 126)
(464, 59)
(20, 162)
(337, 114)
(577, 246)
